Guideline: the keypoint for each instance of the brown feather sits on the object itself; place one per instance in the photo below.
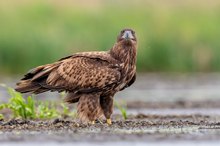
(72, 97)
(89, 108)
(83, 73)
(90, 78)
(26, 86)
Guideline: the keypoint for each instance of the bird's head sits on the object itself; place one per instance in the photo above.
(127, 37)
(126, 46)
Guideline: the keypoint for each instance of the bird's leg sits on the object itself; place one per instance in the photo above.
(92, 122)
(107, 107)
(88, 108)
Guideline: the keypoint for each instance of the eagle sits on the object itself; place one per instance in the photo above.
(89, 78)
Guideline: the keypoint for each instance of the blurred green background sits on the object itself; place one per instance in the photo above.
(174, 35)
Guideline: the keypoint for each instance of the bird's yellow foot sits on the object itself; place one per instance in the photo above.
(92, 122)
(109, 121)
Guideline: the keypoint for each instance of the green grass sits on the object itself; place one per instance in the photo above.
(29, 108)
(1, 116)
(123, 109)
(173, 36)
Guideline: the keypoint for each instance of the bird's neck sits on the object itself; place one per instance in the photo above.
(124, 53)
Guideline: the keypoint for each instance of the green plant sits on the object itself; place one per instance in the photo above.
(123, 109)
(19, 106)
(1, 117)
(28, 108)
(66, 111)
(46, 110)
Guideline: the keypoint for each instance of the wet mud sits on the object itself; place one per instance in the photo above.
(138, 127)
(160, 109)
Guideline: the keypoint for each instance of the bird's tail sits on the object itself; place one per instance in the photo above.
(34, 80)
(25, 86)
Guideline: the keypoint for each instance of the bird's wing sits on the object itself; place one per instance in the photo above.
(103, 55)
(84, 73)
(133, 79)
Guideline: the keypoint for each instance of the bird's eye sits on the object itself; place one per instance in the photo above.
(122, 31)
(133, 32)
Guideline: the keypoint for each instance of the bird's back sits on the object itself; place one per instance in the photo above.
(81, 72)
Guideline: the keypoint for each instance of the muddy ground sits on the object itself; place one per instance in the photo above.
(137, 128)
(161, 110)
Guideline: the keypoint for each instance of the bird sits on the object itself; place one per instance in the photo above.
(90, 79)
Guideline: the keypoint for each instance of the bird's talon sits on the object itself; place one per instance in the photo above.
(92, 122)
(109, 121)
(77, 124)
